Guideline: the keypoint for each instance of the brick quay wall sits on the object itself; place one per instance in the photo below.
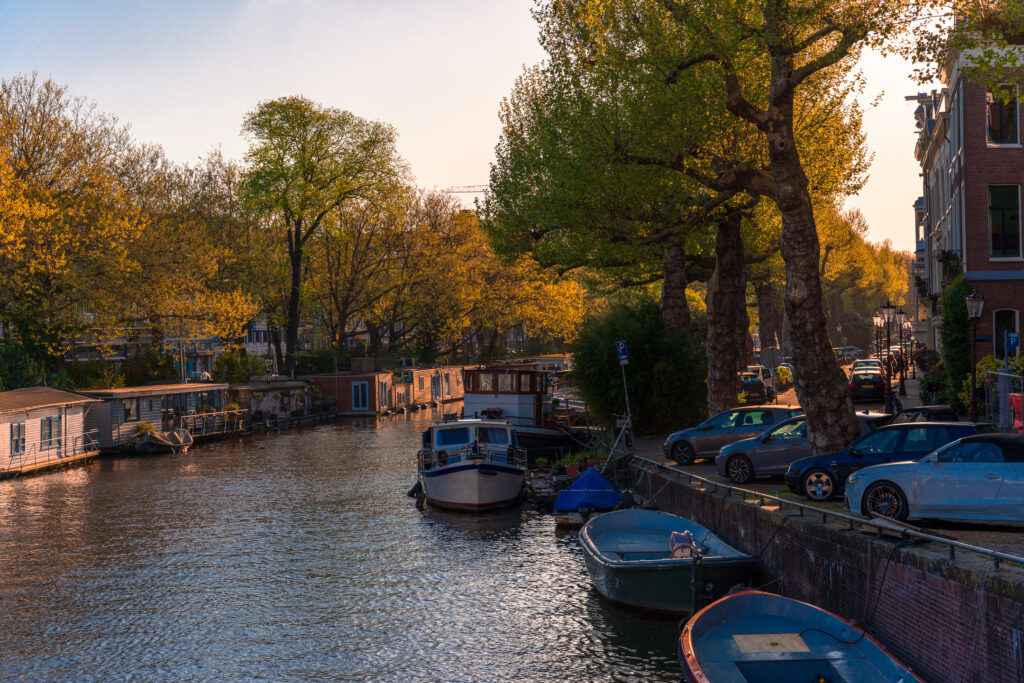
(950, 620)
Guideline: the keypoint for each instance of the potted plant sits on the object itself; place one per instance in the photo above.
(542, 464)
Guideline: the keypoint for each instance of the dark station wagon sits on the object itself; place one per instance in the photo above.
(704, 440)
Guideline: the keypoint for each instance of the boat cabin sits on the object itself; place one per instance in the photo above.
(446, 443)
(511, 394)
(123, 409)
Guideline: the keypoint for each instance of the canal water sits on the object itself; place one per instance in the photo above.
(297, 557)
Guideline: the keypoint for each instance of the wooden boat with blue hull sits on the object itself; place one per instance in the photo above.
(471, 465)
(755, 637)
(630, 561)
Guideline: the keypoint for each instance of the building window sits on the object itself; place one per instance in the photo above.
(359, 395)
(383, 395)
(1001, 119)
(1004, 219)
(17, 438)
(1002, 322)
(421, 382)
(49, 432)
(131, 409)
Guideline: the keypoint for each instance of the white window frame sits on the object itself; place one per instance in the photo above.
(1004, 145)
(988, 223)
(18, 438)
(360, 390)
(54, 442)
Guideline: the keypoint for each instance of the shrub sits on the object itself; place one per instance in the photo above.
(666, 373)
(956, 344)
(237, 367)
(925, 359)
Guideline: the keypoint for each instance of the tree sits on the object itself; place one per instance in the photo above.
(305, 162)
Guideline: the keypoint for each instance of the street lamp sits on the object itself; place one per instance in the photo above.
(975, 302)
(887, 312)
(901, 319)
(878, 321)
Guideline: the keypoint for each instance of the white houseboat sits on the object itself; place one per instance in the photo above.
(44, 427)
(471, 465)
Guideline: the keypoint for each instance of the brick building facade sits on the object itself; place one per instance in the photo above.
(972, 161)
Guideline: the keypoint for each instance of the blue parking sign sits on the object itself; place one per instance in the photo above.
(620, 348)
(1012, 340)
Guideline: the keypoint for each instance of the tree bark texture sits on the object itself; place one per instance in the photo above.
(769, 317)
(727, 315)
(294, 293)
(820, 383)
(675, 312)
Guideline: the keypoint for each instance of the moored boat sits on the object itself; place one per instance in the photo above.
(631, 560)
(590, 493)
(471, 465)
(756, 637)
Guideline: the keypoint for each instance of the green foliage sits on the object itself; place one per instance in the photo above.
(18, 368)
(144, 428)
(147, 366)
(93, 374)
(666, 371)
(933, 385)
(956, 342)
(925, 359)
(989, 364)
(237, 367)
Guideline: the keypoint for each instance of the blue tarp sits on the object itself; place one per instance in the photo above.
(591, 491)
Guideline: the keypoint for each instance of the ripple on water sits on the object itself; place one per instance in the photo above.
(297, 557)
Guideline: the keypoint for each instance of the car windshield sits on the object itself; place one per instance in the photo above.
(750, 379)
(790, 430)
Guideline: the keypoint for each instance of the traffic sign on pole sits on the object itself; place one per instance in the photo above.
(620, 348)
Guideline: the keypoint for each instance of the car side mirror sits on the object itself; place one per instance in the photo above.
(933, 459)
(704, 428)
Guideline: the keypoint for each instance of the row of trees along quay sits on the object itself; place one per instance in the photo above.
(714, 143)
(105, 239)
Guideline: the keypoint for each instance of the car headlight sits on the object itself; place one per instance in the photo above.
(853, 478)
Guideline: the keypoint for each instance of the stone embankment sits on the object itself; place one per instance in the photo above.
(959, 619)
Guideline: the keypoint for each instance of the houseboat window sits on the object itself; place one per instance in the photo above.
(383, 394)
(486, 380)
(17, 438)
(421, 382)
(494, 435)
(505, 383)
(49, 432)
(131, 409)
(452, 437)
(359, 396)
(448, 384)
(524, 384)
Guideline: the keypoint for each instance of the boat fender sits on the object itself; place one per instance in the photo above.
(421, 500)
(628, 501)
(415, 490)
(521, 496)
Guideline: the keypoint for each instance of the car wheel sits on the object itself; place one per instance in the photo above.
(739, 469)
(884, 499)
(682, 453)
(819, 485)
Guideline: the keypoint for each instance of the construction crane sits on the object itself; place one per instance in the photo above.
(467, 189)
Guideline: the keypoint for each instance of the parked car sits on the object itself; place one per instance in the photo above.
(866, 364)
(770, 452)
(821, 477)
(926, 414)
(709, 436)
(765, 376)
(977, 477)
(750, 388)
(867, 385)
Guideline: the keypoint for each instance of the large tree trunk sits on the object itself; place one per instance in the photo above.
(292, 329)
(727, 311)
(675, 312)
(819, 381)
(769, 325)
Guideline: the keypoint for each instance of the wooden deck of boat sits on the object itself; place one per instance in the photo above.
(44, 465)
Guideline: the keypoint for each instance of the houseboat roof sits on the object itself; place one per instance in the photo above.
(30, 398)
(273, 385)
(156, 389)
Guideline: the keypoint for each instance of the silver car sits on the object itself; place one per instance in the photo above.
(977, 477)
(704, 440)
(771, 452)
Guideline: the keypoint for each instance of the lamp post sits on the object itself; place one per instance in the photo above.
(975, 302)
(877, 320)
(901, 319)
(887, 312)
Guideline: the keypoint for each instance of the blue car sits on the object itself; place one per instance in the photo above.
(821, 477)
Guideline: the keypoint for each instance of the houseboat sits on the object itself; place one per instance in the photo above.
(471, 465)
(520, 398)
(43, 428)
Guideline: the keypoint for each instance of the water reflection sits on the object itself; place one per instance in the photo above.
(297, 557)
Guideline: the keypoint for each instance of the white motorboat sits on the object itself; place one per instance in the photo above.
(471, 465)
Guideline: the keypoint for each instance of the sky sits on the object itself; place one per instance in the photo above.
(183, 74)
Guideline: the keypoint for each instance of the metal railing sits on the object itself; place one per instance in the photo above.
(49, 451)
(209, 424)
(429, 459)
(879, 524)
(998, 386)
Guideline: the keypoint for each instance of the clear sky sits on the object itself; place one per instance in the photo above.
(183, 73)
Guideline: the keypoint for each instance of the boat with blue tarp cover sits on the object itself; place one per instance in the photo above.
(756, 637)
(661, 562)
(588, 494)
